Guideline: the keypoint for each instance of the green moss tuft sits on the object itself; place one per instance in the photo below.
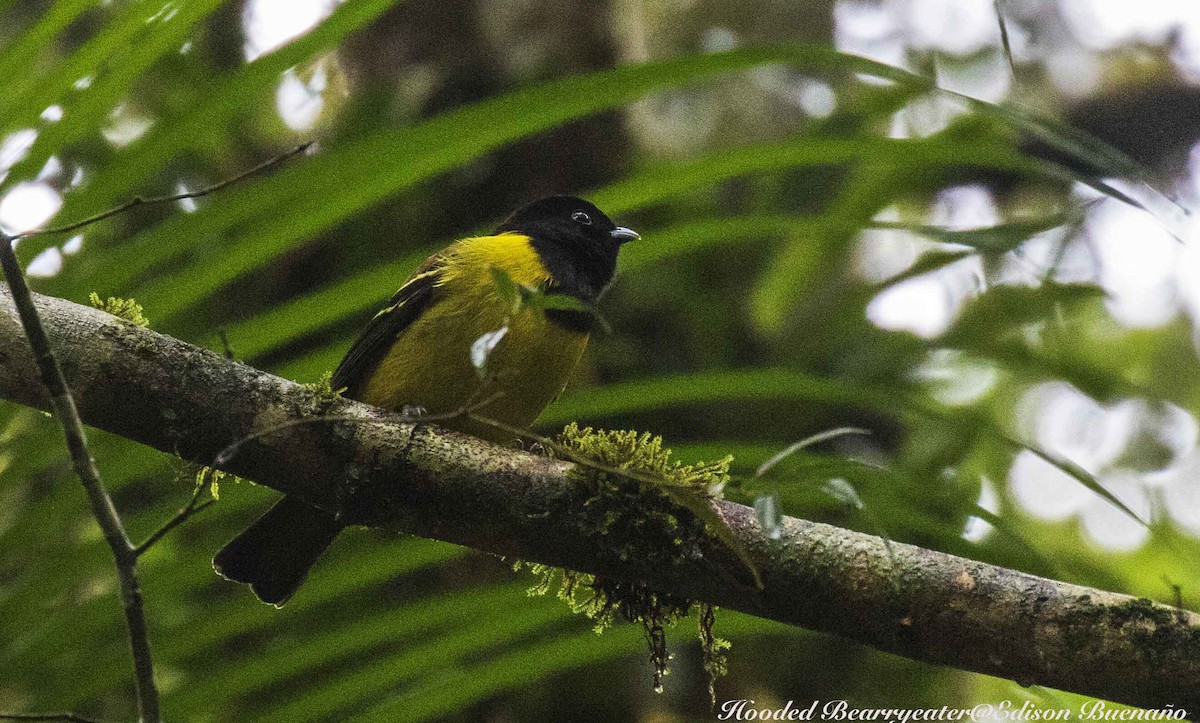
(624, 465)
(640, 453)
(324, 392)
(126, 309)
(640, 500)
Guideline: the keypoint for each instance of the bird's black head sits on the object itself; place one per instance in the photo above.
(576, 241)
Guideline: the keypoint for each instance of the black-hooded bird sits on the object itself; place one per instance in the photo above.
(416, 353)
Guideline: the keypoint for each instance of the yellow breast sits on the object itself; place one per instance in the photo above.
(429, 365)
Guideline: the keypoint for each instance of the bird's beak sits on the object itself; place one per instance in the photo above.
(622, 234)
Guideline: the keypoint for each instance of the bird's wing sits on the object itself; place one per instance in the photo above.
(413, 298)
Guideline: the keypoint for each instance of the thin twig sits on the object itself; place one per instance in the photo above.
(152, 200)
(63, 405)
(179, 518)
(67, 717)
(191, 508)
(124, 552)
(230, 450)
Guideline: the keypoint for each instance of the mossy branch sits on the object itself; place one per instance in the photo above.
(642, 499)
(377, 470)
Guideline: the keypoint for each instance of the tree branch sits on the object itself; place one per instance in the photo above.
(380, 472)
(62, 404)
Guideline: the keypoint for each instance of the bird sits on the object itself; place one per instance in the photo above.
(415, 355)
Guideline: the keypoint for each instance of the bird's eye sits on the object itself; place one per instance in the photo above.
(581, 217)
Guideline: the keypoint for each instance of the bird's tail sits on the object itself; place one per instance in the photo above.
(273, 555)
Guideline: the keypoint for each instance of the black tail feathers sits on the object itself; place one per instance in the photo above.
(274, 554)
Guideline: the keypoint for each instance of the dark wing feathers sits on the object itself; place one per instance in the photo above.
(404, 308)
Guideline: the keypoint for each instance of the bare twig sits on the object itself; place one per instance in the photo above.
(191, 508)
(63, 405)
(66, 717)
(152, 200)
(179, 518)
(228, 451)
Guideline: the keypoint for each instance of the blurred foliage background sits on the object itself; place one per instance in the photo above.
(829, 241)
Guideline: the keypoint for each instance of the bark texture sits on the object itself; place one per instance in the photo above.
(376, 471)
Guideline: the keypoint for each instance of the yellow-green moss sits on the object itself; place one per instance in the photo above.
(126, 309)
(324, 392)
(642, 453)
(641, 500)
(211, 478)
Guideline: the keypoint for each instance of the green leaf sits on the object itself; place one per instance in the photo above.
(1084, 478)
(219, 105)
(929, 262)
(493, 629)
(276, 209)
(337, 302)
(703, 508)
(458, 688)
(138, 34)
(990, 239)
(717, 386)
(566, 302)
(18, 61)
(801, 266)
(425, 621)
(1007, 309)
(668, 180)
(509, 290)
